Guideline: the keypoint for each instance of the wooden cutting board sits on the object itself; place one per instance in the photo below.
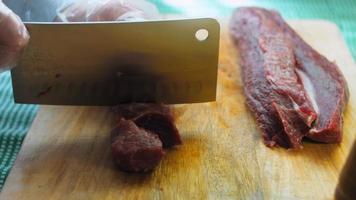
(66, 154)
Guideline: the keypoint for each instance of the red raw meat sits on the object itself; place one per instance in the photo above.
(135, 149)
(157, 118)
(292, 90)
(143, 130)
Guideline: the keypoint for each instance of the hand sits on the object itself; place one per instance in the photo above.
(107, 10)
(13, 37)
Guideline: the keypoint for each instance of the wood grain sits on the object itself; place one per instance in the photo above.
(66, 154)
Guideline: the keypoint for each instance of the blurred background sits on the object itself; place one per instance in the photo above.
(15, 120)
(341, 12)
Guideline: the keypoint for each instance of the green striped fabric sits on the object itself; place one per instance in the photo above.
(15, 120)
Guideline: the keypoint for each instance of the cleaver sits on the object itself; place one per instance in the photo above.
(109, 63)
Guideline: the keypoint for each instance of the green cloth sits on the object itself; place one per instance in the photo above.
(15, 120)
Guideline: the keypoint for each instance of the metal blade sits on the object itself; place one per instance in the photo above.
(119, 62)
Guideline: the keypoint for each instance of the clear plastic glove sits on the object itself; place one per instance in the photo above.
(13, 37)
(107, 10)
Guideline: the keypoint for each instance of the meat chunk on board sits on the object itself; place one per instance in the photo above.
(143, 130)
(135, 149)
(293, 91)
(156, 118)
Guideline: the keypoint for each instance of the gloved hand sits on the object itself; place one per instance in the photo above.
(13, 37)
(107, 10)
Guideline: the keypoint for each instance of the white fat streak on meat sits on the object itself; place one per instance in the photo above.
(297, 108)
(309, 88)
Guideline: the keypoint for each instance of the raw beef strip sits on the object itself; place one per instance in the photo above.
(135, 149)
(157, 118)
(329, 86)
(266, 60)
(284, 81)
(279, 67)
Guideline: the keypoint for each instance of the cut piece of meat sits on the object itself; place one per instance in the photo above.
(135, 149)
(162, 125)
(142, 132)
(292, 90)
(157, 118)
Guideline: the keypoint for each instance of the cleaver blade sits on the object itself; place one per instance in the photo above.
(109, 63)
